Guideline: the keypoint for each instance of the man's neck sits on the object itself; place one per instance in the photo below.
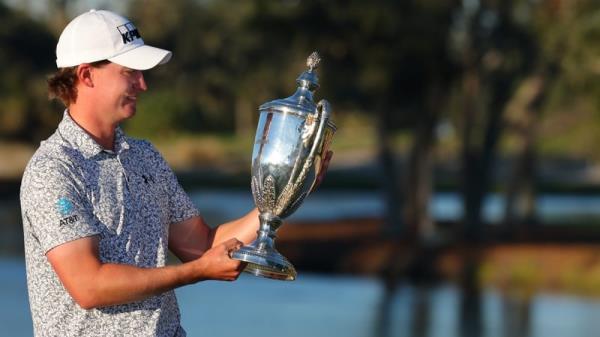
(101, 132)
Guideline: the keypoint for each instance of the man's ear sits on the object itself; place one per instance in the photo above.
(84, 74)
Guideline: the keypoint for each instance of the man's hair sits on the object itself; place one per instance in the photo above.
(62, 84)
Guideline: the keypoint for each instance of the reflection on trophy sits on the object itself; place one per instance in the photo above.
(292, 137)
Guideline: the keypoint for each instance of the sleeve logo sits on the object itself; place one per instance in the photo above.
(65, 208)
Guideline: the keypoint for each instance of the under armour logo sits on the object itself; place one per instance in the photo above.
(128, 32)
(147, 178)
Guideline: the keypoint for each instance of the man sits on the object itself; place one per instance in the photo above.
(101, 210)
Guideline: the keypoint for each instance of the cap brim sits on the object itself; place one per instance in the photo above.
(142, 58)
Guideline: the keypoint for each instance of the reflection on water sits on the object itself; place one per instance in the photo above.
(328, 306)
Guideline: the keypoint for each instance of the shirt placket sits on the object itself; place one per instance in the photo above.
(123, 171)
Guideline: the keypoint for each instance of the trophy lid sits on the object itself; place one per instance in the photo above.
(301, 102)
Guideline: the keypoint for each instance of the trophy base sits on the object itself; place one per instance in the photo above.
(267, 263)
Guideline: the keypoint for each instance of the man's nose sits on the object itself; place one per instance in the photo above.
(141, 83)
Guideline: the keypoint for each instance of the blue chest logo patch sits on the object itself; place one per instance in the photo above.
(64, 206)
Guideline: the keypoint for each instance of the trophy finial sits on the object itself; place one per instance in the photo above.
(313, 61)
(308, 79)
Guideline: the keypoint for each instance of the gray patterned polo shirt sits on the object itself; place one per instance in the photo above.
(73, 188)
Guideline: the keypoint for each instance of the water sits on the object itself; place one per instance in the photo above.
(330, 306)
(14, 308)
(310, 306)
(218, 206)
(222, 205)
(318, 305)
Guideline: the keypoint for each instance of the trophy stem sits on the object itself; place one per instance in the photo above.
(266, 231)
(261, 256)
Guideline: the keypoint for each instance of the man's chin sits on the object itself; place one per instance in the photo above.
(130, 111)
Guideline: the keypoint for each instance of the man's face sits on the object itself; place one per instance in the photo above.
(118, 89)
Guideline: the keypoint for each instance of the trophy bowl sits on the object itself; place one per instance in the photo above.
(292, 138)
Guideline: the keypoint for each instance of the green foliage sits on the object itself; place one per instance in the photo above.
(568, 34)
(231, 56)
(157, 115)
(26, 55)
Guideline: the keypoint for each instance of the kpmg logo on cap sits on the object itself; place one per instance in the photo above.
(128, 32)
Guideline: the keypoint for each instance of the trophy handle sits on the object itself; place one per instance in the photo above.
(323, 112)
(283, 206)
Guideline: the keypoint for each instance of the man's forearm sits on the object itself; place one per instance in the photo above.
(243, 229)
(94, 284)
(191, 238)
(119, 283)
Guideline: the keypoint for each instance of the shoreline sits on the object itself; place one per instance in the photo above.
(556, 260)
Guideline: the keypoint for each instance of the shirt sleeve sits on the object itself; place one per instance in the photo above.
(55, 204)
(180, 206)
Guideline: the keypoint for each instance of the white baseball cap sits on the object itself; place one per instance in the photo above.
(102, 35)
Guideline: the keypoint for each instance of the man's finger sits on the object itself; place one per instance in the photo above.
(231, 243)
(328, 156)
(241, 266)
(323, 171)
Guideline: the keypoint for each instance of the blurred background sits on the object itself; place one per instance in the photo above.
(463, 198)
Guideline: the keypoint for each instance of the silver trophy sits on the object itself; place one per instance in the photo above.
(292, 138)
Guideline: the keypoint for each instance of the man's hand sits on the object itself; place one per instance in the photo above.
(217, 264)
(323, 170)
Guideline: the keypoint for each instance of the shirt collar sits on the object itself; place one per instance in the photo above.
(120, 140)
(72, 133)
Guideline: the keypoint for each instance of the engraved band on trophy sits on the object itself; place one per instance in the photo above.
(292, 137)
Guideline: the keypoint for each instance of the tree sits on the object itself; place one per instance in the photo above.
(496, 54)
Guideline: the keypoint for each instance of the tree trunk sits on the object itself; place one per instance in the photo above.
(390, 177)
(471, 318)
(471, 160)
(420, 175)
(521, 196)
